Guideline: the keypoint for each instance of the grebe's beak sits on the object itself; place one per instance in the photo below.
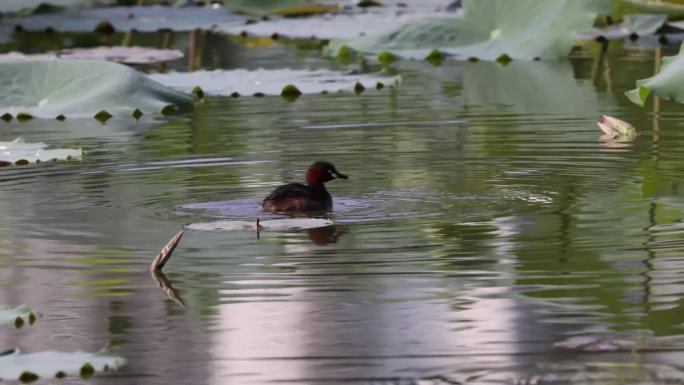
(339, 175)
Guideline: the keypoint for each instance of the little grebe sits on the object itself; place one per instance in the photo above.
(310, 197)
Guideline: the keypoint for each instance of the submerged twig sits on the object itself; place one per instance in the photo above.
(165, 253)
(164, 283)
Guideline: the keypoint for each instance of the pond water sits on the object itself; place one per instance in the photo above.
(484, 235)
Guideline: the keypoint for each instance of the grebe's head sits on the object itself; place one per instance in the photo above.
(321, 172)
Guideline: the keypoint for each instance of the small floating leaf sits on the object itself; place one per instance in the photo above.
(197, 90)
(379, 86)
(102, 116)
(28, 377)
(7, 117)
(24, 116)
(268, 225)
(258, 95)
(290, 93)
(51, 364)
(504, 59)
(359, 88)
(435, 57)
(19, 322)
(87, 370)
(387, 58)
(32, 318)
(169, 109)
(344, 54)
(137, 114)
(234, 95)
(61, 117)
(60, 374)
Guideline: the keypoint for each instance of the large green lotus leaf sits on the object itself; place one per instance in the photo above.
(668, 84)
(648, 6)
(143, 19)
(82, 88)
(268, 82)
(9, 315)
(489, 29)
(130, 55)
(49, 364)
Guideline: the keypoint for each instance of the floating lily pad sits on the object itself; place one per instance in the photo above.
(269, 82)
(668, 84)
(81, 88)
(143, 19)
(49, 364)
(346, 25)
(19, 152)
(488, 30)
(10, 316)
(631, 26)
(274, 225)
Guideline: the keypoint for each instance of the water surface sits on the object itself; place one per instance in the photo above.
(482, 228)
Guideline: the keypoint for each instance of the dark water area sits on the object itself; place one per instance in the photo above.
(483, 230)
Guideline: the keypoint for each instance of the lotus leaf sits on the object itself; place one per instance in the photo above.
(81, 88)
(668, 84)
(144, 19)
(489, 29)
(336, 26)
(273, 224)
(20, 152)
(49, 364)
(14, 6)
(631, 25)
(10, 315)
(281, 7)
(269, 82)
(130, 55)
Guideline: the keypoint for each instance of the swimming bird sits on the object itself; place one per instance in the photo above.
(313, 196)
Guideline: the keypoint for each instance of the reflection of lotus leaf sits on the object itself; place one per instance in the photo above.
(668, 84)
(81, 88)
(48, 364)
(489, 29)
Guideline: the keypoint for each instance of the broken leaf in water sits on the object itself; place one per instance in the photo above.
(49, 364)
(269, 82)
(143, 19)
(81, 88)
(17, 316)
(488, 29)
(273, 224)
(20, 152)
(616, 130)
